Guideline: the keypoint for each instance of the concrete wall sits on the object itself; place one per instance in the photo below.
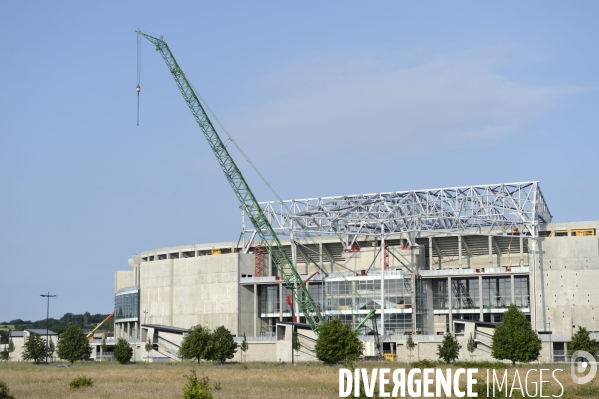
(189, 291)
(566, 280)
(258, 351)
(123, 279)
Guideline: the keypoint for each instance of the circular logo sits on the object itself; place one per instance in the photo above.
(588, 363)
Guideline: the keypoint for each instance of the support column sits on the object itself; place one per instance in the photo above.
(513, 293)
(490, 251)
(430, 253)
(281, 303)
(521, 251)
(480, 296)
(256, 311)
(383, 280)
(450, 304)
(460, 251)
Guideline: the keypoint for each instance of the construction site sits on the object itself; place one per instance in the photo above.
(417, 262)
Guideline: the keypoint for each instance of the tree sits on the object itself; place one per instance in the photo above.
(196, 344)
(73, 345)
(148, 349)
(103, 346)
(34, 349)
(11, 347)
(296, 344)
(123, 351)
(515, 340)
(471, 346)
(410, 345)
(336, 341)
(581, 341)
(222, 345)
(244, 346)
(51, 349)
(449, 349)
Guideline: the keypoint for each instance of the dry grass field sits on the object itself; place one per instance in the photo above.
(166, 380)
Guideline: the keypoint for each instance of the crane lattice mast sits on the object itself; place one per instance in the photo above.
(242, 190)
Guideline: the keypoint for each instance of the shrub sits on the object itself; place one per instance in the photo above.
(424, 364)
(449, 349)
(81, 381)
(197, 388)
(337, 342)
(123, 351)
(4, 391)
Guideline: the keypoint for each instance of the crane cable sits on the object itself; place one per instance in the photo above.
(138, 88)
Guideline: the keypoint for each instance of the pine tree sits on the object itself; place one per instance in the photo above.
(581, 341)
(449, 349)
(73, 345)
(471, 346)
(515, 340)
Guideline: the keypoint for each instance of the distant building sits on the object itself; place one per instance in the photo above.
(19, 338)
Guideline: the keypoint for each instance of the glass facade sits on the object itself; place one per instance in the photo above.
(464, 293)
(126, 306)
(341, 296)
(269, 299)
(521, 292)
(497, 292)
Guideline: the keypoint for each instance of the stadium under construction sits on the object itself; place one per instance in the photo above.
(428, 262)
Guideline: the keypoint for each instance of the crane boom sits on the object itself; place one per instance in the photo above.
(91, 333)
(246, 198)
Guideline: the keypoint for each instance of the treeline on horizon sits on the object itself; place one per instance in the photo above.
(85, 321)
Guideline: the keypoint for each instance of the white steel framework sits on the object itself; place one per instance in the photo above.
(493, 209)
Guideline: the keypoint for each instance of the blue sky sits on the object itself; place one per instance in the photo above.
(327, 98)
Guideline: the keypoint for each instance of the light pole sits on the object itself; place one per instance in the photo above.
(47, 318)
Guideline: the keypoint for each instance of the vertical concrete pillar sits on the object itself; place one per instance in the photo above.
(521, 251)
(512, 285)
(480, 296)
(430, 253)
(256, 311)
(172, 296)
(490, 251)
(320, 254)
(281, 303)
(460, 251)
(449, 304)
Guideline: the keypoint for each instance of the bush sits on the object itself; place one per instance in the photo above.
(424, 364)
(81, 381)
(4, 391)
(197, 388)
(482, 365)
(449, 349)
(337, 342)
(123, 351)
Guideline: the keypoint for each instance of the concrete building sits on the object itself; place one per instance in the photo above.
(19, 338)
(424, 274)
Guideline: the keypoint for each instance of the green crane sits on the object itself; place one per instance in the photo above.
(246, 198)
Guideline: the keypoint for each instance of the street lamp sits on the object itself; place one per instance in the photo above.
(47, 317)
